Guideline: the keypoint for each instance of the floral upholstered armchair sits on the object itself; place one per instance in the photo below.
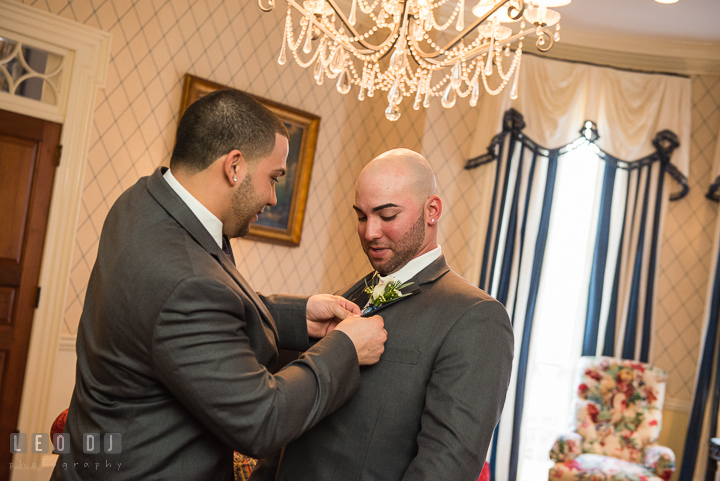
(618, 414)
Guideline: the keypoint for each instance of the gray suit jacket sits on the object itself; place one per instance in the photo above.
(175, 351)
(427, 410)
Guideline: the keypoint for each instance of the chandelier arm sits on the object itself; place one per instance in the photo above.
(389, 40)
(477, 23)
(484, 48)
(269, 8)
(544, 47)
(520, 10)
(431, 57)
(421, 56)
(370, 50)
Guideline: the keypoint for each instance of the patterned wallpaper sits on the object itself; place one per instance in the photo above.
(155, 42)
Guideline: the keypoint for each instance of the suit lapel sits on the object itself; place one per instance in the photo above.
(356, 292)
(178, 210)
(431, 273)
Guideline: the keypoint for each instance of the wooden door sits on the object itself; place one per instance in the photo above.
(28, 157)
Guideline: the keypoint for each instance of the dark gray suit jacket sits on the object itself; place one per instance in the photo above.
(427, 410)
(174, 351)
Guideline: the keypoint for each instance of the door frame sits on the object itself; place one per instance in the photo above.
(88, 57)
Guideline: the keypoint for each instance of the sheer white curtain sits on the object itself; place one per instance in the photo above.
(558, 327)
(540, 248)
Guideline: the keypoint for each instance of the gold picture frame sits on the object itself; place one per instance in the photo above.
(282, 223)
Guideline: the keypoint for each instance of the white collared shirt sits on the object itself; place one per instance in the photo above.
(410, 270)
(207, 219)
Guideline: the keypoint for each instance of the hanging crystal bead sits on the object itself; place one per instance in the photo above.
(337, 60)
(392, 112)
(514, 90)
(460, 26)
(397, 61)
(418, 94)
(475, 93)
(319, 71)
(343, 84)
(449, 97)
(489, 64)
(283, 56)
(307, 48)
(394, 93)
(456, 78)
(361, 94)
(352, 19)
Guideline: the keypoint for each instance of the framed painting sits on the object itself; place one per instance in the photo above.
(281, 223)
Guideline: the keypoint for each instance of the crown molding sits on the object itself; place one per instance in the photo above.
(648, 54)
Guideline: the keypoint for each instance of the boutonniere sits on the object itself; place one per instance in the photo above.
(383, 292)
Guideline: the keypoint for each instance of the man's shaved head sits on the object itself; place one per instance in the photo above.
(398, 208)
(406, 166)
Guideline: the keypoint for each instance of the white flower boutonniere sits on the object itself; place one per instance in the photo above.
(386, 290)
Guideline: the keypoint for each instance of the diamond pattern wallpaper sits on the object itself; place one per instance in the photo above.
(155, 42)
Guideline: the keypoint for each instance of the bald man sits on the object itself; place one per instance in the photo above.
(427, 410)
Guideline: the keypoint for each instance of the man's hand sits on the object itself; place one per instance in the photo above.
(368, 334)
(324, 312)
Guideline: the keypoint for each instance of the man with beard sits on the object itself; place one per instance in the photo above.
(427, 410)
(175, 349)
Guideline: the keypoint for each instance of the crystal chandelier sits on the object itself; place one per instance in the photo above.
(353, 49)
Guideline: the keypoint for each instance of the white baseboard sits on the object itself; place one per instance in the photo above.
(680, 405)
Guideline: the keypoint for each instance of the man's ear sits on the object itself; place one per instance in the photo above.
(234, 167)
(433, 210)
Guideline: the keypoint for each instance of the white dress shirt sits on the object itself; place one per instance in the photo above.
(207, 219)
(410, 270)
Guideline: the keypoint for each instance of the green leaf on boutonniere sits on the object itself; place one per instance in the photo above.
(385, 291)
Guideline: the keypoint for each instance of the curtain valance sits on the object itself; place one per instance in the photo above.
(629, 108)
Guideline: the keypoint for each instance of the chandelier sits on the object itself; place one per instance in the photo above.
(353, 49)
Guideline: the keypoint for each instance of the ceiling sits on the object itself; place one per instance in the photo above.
(681, 38)
(697, 20)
